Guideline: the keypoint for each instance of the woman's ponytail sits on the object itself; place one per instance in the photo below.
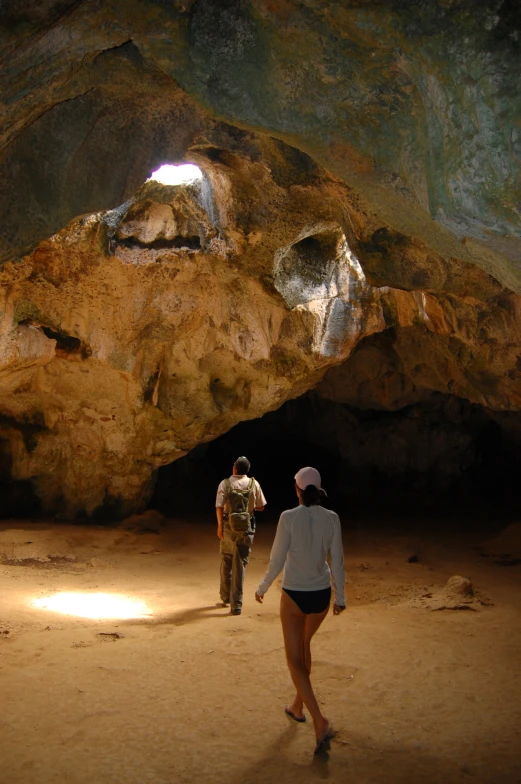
(312, 496)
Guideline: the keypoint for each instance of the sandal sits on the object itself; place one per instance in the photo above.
(323, 744)
(290, 713)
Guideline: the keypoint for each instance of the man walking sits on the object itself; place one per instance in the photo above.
(238, 498)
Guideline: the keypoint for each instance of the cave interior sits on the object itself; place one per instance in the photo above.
(468, 478)
(338, 287)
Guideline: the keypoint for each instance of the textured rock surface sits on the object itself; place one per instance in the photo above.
(458, 594)
(360, 205)
(136, 334)
(415, 104)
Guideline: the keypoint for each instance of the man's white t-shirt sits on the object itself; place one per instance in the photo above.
(306, 536)
(240, 482)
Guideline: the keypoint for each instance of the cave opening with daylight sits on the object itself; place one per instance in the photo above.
(176, 173)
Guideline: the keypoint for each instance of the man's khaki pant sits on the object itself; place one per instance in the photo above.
(235, 551)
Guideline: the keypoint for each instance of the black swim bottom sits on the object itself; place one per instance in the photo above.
(310, 601)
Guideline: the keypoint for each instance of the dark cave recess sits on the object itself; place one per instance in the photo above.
(436, 457)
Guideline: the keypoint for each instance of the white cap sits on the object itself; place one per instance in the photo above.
(308, 476)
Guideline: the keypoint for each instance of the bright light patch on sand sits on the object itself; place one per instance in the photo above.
(175, 175)
(94, 605)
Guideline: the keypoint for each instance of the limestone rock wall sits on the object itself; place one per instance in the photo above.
(414, 104)
(359, 212)
(135, 334)
(440, 343)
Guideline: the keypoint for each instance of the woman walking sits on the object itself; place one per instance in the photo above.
(306, 536)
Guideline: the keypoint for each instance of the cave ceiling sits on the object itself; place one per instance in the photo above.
(356, 228)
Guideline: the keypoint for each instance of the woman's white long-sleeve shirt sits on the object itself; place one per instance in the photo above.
(305, 537)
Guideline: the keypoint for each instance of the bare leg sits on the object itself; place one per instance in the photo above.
(313, 622)
(296, 642)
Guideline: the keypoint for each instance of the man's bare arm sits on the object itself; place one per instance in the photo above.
(219, 512)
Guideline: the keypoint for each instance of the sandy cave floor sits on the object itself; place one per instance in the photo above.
(190, 694)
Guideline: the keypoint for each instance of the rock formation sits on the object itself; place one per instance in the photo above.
(358, 213)
(458, 594)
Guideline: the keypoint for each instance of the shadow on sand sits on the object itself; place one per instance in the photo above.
(182, 617)
(355, 760)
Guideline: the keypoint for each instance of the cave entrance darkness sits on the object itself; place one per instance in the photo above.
(464, 465)
(189, 485)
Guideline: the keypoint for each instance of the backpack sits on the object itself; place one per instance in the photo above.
(239, 516)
